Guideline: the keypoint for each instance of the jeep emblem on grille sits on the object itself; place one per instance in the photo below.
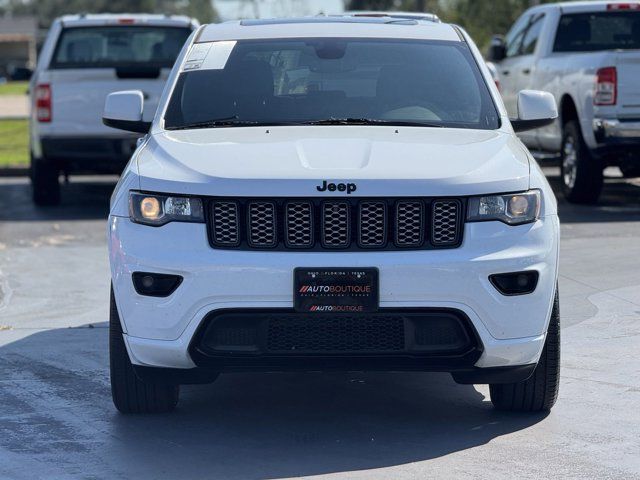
(341, 187)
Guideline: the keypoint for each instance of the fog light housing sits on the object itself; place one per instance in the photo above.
(515, 283)
(155, 284)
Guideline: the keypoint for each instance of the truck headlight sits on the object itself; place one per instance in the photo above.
(154, 209)
(512, 209)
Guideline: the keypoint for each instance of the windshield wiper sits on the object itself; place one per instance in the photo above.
(217, 122)
(228, 122)
(236, 122)
(372, 121)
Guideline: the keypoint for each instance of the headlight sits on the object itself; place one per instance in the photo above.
(153, 209)
(512, 209)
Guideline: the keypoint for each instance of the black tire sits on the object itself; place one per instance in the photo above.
(540, 391)
(45, 183)
(630, 171)
(129, 393)
(581, 173)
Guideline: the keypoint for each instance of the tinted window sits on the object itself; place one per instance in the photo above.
(588, 32)
(97, 47)
(513, 40)
(308, 80)
(532, 34)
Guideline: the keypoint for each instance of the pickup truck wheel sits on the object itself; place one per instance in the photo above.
(44, 182)
(129, 393)
(539, 392)
(581, 173)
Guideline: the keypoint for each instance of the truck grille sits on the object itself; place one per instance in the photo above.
(324, 224)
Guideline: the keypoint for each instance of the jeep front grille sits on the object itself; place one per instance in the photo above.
(262, 224)
(444, 220)
(372, 218)
(225, 223)
(335, 224)
(298, 225)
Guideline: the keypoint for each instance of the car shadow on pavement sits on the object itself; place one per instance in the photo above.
(57, 402)
(82, 199)
(619, 202)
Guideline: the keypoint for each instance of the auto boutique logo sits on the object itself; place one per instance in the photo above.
(336, 291)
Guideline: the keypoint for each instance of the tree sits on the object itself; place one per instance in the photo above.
(481, 18)
(47, 10)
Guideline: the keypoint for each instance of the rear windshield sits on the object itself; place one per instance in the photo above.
(117, 46)
(589, 32)
(302, 81)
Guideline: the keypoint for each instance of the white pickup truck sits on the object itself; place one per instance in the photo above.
(588, 55)
(84, 58)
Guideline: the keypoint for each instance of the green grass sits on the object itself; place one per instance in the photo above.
(14, 88)
(14, 143)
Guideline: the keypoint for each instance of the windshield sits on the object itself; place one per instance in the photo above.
(117, 46)
(341, 81)
(590, 32)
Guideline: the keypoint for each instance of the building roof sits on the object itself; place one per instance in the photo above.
(14, 27)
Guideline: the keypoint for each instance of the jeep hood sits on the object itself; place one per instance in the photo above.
(381, 161)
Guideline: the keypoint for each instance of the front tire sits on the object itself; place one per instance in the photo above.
(581, 173)
(540, 391)
(129, 393)
(45, 183)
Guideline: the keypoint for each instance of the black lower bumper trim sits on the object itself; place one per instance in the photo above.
(202, 375)
(274, 340)
(494, 375)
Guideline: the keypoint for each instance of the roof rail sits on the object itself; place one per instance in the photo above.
(429, 17)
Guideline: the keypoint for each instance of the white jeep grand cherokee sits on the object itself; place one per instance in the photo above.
(340, 193)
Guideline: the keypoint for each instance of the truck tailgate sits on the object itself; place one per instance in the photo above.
(78, 97)
(628, 66)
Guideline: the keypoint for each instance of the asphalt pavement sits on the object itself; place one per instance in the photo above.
(57, 420)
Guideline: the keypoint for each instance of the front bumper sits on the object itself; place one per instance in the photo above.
(159, 331)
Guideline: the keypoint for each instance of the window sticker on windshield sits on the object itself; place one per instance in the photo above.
(209, 56)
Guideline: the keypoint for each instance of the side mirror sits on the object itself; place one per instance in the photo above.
(535, 109)
(497, 49)
(123, 110)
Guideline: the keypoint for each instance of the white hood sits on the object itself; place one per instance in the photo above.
(381, 161)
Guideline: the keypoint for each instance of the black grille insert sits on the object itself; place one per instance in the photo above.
(284, 332)
(372, 220)
(445, 221)
(410, 221)
(225, 224)
(262, 224)
(341, 224)
(336, 225)
(298, 225)
(335, 334)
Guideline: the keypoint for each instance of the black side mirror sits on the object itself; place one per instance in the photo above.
(497, 49)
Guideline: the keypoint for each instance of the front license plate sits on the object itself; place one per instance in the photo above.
(335, 290)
